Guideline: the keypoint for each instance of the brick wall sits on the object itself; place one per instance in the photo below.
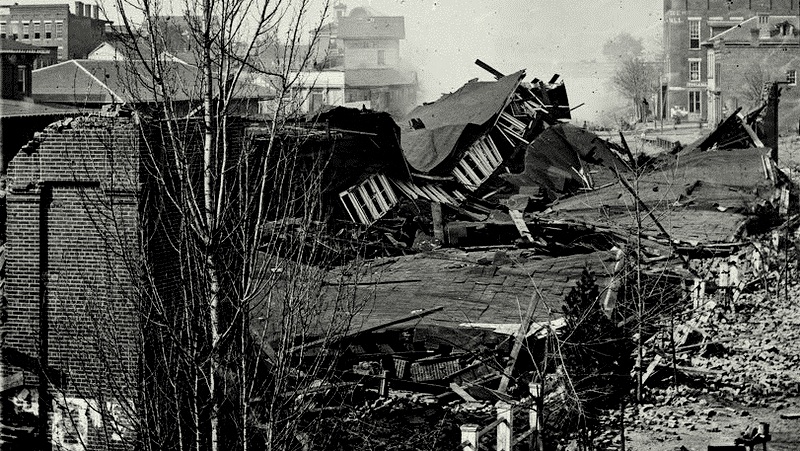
(90, 210)
(72, 237)
(734, 64)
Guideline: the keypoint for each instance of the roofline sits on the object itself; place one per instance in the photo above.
(100, 45)
(113, 94)
(347, 85)
(739, 25)
(42, 114)
(53, 65)
(38, 51)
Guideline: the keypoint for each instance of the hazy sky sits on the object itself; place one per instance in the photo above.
(444, 37)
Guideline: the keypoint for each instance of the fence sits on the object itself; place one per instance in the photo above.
(471, 433)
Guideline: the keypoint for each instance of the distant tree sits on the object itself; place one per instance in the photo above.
(637, 80)
(753, 78)
(623, 47)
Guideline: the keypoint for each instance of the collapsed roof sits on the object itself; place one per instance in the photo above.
(453, 119)
(700, 197)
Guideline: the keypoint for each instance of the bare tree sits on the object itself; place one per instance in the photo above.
(753, 78)
(637, 80)
(623, 47)
(224, 305)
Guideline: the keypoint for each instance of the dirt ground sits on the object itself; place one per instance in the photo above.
(700, 423)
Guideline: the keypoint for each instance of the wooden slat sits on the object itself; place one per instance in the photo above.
(388, 187)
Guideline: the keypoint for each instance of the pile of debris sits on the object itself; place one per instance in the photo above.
(480, 212)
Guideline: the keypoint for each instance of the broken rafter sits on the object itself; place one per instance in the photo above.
(415, 315)
(519, 341)
(496, 73)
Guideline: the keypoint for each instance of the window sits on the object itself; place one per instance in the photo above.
(316, 100)
(21, 73)
(370, 200)
(37, 30)
(48, 30)
(478, 163)
(694, 33)
(14, 32)
(791, 77)
(59, 29)
(763, 19)
(694, 70)
(2, 30)
(26, 30)
(694, 101)
(381, 57)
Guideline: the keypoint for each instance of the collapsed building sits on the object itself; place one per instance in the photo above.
(480, 213)
(513, 204)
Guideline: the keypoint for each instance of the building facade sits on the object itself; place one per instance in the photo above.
(364, 46)
(17, 60)
(72, 35)
(687, 23)
(764, 48)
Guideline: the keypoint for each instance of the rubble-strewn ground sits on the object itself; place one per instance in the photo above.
(754, 379)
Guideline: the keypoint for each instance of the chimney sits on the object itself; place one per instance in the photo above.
(340, 9)
(78, 8)
(95, 12)
(764, 27)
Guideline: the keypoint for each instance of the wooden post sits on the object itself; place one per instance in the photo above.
(384, 387)
(763, 430)
(519, 341)
(695, 295)
(469, 437)
(534, 415)
(438, 221)
(505, 429)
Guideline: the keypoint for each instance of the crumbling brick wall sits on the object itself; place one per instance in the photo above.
(71, 253)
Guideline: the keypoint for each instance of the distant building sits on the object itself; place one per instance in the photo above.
(93, 84)
(17, 61)
(19, 116)
(687, 23)
(72, 35)
(741, 58)
(365, 46)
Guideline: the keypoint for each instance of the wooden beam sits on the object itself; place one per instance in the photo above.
(457, 389)
(519, 341)
(438, 221)
(417, 315)
(497, 74)
(519, 222)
